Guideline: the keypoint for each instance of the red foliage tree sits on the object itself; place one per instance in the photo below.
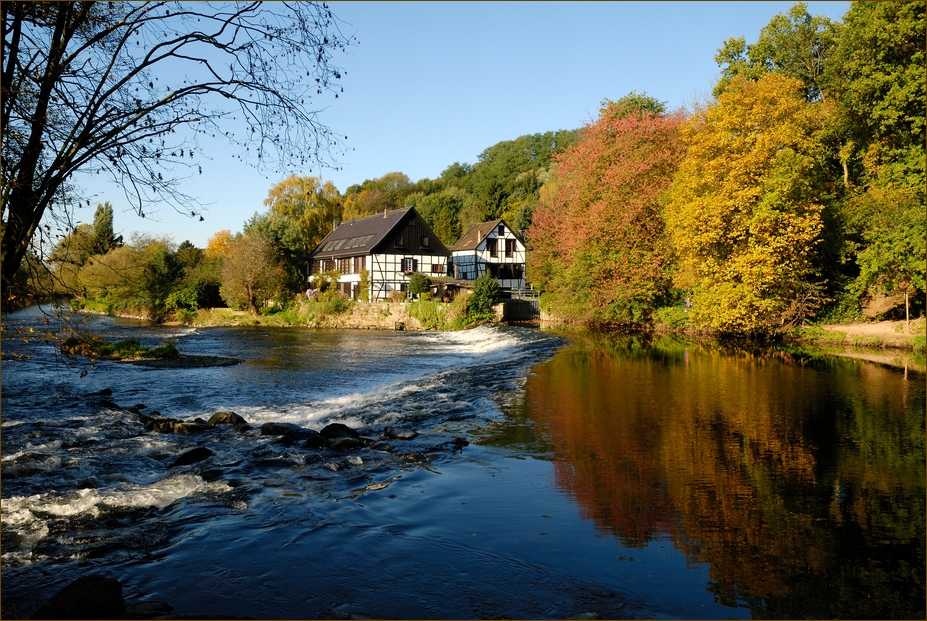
(598, 243)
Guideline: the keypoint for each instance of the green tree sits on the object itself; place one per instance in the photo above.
(161, 274)
(419, 283)
(118, 88)
(251, 274)
(363, 293)
(894, 257)
(878, 79)
(442, 211)
(105, 238)
(795, 44)
(483, 296)
(745, 208)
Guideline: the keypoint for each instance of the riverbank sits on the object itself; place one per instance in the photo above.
(875, 335)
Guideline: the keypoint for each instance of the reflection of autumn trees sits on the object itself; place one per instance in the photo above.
(792, 482)
(599, 451)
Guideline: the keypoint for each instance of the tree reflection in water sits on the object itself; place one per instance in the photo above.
(800, 482)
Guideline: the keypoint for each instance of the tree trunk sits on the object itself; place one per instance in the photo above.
(20, 226)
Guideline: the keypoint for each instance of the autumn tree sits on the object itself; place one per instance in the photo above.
(375, 195)
(219, 245)
(745, 208)
(128, 89)
(300, 213)
(597, 242)
(251, 273)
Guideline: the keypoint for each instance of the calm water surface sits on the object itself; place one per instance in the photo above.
(634, 477)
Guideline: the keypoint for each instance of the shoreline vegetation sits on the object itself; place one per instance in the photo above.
(896, 343)
(787, 207)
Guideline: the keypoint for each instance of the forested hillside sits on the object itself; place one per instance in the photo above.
(796, 192)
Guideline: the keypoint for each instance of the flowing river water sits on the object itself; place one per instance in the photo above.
(552, 475)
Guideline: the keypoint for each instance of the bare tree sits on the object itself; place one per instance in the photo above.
(129, 90)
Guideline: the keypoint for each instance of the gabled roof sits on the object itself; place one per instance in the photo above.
(360, 235)
(474, 235)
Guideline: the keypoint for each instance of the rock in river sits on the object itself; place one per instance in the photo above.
(339, 430)
(227, 418)
(288, 430)
(192, 456)
(398, 433)
(88, 597)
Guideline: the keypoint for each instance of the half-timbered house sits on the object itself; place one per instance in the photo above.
(391, 246)
(490, 247)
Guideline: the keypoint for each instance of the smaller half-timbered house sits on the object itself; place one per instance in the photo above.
(491, 247)
(391, 246)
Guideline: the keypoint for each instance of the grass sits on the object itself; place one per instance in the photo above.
(429, 313)
(95, 346)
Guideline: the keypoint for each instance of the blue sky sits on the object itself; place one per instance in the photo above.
(433, 83)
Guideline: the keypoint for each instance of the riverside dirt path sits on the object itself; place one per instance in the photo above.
(879, 333)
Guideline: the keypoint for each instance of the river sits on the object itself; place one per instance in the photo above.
(554, 474)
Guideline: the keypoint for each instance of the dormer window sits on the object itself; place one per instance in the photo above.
(425, 243)
(501, 230)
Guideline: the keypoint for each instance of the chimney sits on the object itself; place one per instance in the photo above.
(335, 224)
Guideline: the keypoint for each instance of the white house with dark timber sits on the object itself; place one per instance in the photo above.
(391, 246)
(491, 247)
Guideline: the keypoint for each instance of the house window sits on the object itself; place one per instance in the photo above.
(409, 266)
(328, 265)
(491, 247)
(437, 268)
(425, 242)
(509, 247)
(358, 265)
(501, 230)
(344, 266)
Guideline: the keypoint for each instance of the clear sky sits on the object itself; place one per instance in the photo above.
(433, 83)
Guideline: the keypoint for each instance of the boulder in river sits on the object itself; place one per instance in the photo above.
(226, 418)
(172, 425)
(89, 597)
(315, 441)
(346, 443)
(398, 433)
(289, 430)
(339, 430)
(192, 456)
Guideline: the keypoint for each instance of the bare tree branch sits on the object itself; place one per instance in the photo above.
(128, 89)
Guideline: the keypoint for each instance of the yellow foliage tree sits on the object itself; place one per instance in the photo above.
(745, 208)
(219, 245)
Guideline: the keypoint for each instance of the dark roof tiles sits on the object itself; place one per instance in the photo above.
(360, 235)
(474, 235)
